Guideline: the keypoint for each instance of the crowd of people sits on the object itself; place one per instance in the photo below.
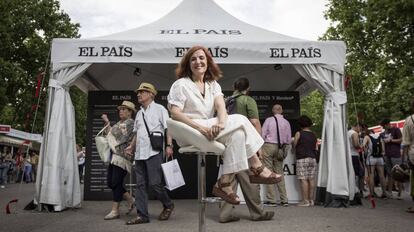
(18, 166)
(383, 160)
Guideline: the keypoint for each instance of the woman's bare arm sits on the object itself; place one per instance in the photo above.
(220, 107)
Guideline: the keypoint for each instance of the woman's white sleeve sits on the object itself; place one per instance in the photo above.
(177, 96)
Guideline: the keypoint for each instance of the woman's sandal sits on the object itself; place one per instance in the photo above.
(257, 179)
(112, 215)
(228, 197)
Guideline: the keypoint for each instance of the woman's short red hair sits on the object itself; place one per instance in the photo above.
(184, 69)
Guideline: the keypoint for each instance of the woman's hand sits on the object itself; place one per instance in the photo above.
(216, 129)
(129, 150)
(206, 132)
(105, 118)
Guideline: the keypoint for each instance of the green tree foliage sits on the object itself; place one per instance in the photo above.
(312, 106)
(80, 103)
(380, 46)
(27, 28)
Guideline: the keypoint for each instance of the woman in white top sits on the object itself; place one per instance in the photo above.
(194, 99)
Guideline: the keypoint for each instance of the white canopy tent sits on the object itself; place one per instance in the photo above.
(271, 61)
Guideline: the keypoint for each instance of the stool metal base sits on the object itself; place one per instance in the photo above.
(202, 192)
(202, 199)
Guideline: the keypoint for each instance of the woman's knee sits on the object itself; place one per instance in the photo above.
(238, 118)
(238, 135)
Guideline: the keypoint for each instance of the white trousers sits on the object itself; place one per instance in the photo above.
(241, 139)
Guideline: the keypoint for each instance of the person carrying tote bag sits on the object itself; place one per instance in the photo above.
(118, 138)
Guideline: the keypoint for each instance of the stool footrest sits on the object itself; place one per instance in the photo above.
(211, 200)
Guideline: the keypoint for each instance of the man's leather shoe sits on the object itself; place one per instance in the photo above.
(166, 213)
(137, 220)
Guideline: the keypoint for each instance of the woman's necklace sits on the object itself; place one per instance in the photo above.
(201, 86)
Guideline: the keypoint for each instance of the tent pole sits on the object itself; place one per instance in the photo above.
(39, 180)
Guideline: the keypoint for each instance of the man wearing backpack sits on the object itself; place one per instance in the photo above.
(391, 141)
(245, 105)
(241, 103)
(374, 160)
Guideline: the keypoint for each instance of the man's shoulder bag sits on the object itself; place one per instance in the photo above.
(156, 137)
(283, 148)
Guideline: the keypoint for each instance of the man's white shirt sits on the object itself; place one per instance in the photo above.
(156, 117)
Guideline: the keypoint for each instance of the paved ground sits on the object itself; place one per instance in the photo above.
(388, 216)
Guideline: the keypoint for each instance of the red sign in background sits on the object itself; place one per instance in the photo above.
(4, 129)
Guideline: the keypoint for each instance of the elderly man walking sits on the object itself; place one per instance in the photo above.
(152, 117)
(276, 133)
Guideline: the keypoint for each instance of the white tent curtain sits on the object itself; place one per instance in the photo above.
(58, 182)
(336, 175)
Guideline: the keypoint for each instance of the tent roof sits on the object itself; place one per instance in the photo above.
(199, 20)
(155, 49)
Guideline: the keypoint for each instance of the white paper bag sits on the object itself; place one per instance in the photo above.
(172, 175)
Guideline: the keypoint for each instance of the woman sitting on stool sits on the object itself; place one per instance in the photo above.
(194, 99)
